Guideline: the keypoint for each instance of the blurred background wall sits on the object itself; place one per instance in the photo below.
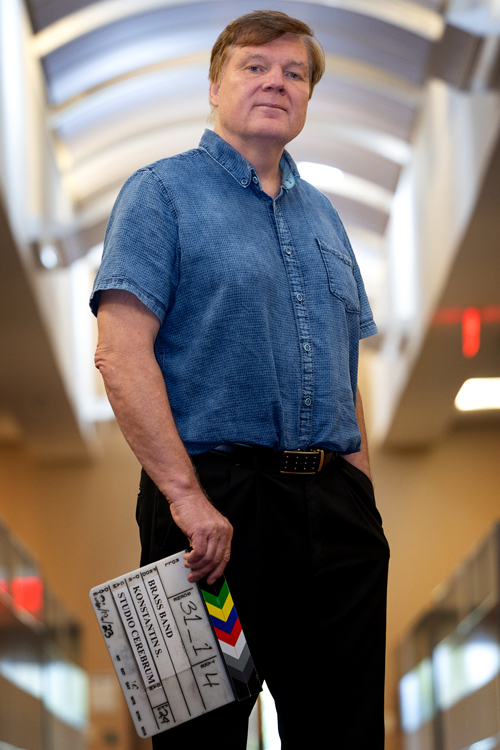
(403, 136)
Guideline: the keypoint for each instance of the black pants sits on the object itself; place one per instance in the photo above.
(308, 575)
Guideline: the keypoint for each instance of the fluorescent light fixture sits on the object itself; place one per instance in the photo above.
(7, 746)
(61, 686)
(410, 702)
(463, 669)
(65, 693)
(482, 663)
(416, 697)
(488, 744)
(479, 393)
(28, 676)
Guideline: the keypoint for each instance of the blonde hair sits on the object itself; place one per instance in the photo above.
(260, 27)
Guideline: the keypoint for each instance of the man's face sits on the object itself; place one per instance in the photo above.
(264, 92)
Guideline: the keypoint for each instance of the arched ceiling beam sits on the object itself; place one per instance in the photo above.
(349, 157)
(332, 180)
(197, 59)
(380, 143)
(359, 215)
(353, 71)
(403, 13)
(376, 79)
(344, 104)
(119, 161)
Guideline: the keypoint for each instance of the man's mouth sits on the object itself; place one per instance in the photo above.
(272, 106)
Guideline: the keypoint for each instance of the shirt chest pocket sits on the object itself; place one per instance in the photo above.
(340, 272)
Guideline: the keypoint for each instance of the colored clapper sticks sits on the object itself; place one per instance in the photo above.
(232, 643)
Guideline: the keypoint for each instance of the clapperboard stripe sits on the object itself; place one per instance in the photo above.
(235, 651)
(225, 625)
(231, 639)
(220, 606)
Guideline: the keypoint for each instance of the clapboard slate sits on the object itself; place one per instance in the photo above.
(178, 648)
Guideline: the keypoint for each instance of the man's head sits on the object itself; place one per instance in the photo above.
(260, 27)
(264, 67)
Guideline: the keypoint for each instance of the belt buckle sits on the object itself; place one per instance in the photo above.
(311, 464)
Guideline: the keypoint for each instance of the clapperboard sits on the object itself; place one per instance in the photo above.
(178, 648)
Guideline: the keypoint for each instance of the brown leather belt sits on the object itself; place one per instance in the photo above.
(309, 461)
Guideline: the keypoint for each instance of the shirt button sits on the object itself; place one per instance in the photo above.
(308, 401)
(255, 179)
(288, 250)
(307, 347)
(299, 297)
(244, 181)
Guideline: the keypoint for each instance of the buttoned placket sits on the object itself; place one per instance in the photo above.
(300, 309)
(299, 302)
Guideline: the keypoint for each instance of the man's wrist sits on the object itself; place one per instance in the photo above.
(180, 492)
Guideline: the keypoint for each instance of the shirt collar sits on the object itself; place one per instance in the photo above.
(238, 166)
(288, 170)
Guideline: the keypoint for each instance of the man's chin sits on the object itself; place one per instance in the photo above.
(272, 129)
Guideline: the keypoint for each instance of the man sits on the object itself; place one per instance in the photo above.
(230, 307)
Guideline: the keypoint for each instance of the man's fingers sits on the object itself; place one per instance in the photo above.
(210, 572)
(215, 560)
(209, 533)
(203, 552)
(201, 549)
(217, 550)
(215, 574)
(221, 561)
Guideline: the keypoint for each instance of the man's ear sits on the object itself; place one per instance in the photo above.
(213, 94)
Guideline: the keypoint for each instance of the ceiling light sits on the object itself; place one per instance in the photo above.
(48, 256)
(320, 175)
(351, 186)
(479, 393)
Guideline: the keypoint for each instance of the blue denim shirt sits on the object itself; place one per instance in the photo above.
(260, 301)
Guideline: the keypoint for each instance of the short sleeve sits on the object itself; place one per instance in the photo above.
(140, 245)
(367, 325)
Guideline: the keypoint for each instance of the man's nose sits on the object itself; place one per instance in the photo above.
(274, 78)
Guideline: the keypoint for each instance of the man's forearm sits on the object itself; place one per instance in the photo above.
(136, 389)
(140, 403)
(361, 459)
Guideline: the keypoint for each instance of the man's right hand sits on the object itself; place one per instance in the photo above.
(209, 534)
